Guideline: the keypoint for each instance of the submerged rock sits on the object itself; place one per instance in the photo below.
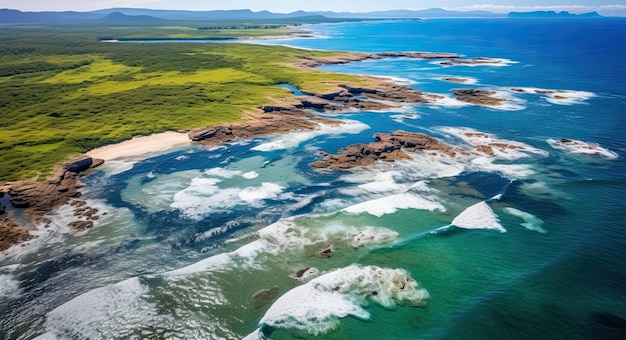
(328, 251)
(264, 297)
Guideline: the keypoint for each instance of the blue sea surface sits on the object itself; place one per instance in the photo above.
(229, 242)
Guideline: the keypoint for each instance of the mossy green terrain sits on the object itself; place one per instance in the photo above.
(63, 92)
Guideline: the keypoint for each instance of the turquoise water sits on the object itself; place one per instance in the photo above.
(207, 243)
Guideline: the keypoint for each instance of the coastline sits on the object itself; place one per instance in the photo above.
(39, 198)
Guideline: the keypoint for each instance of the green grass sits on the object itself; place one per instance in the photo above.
(63, 92)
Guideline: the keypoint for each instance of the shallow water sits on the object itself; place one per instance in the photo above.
(208, 243)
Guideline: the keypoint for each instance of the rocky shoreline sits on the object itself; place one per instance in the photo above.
(37, 198)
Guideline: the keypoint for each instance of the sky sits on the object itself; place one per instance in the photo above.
(285, 6)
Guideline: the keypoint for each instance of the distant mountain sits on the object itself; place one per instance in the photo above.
(142, 16)
(119, 18)
(553, 14)
(11, 16)
(243, 14)
(145, 16)
(407, 14)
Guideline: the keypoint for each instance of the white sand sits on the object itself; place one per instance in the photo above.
(139, 146)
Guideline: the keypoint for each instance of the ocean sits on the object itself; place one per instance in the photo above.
(247, 240)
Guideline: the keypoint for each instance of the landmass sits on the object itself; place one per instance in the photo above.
(108, 88)
(553, 14)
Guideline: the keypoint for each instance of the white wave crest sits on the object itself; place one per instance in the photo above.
(391, 204)
(581, 147)
(9, 286)
(502, 148)
(293, 139)
(478, 216)
(204, 196)
(100, 311)
(559, 97)
(317, 306)
(531, 222)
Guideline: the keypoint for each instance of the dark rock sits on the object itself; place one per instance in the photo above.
(388, 147)
(328, 251)
(478, 97)
(307, 273)
(79, 165)
(96, 162)
(273, 108)
(214, 132)
(314, 102)
(264, 297)
(81, 225)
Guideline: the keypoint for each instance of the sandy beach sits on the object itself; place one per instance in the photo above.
(140, 145)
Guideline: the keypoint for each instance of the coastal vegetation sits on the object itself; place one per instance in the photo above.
(63, 91)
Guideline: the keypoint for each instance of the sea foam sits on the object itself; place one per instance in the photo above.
(478, 216)
(9, 286)
(531, 222)
(509, 150)
(293, 139)
(317, 306)
(581, 147)
(204, 196)
(559, 97)
(287, 235)
(99, 312)
(391, 204)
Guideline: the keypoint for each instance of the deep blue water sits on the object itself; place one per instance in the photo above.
(246, 216)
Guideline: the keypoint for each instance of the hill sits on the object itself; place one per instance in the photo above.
(553, 14)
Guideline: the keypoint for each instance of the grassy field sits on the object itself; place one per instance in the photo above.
(63, 92)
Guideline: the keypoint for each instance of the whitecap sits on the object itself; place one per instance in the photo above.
(157, 194)
(531, 222)
(100, 311)
(391, 204)
(580, 147)
(205, 195)
(288, 235)
(478, 216)
(317, 306)
(463, 79)
(293, 139)
(252, 195)
(559, 97)
(9, 286)
(221, 172)
(397, 80)
(492, 62)
(250, 175)
(502, 148)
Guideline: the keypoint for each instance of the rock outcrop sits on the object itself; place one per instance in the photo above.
(310, 62)
(479, 97)
(279, 118)
(37, 198)
(388, 147)
(471, 62)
